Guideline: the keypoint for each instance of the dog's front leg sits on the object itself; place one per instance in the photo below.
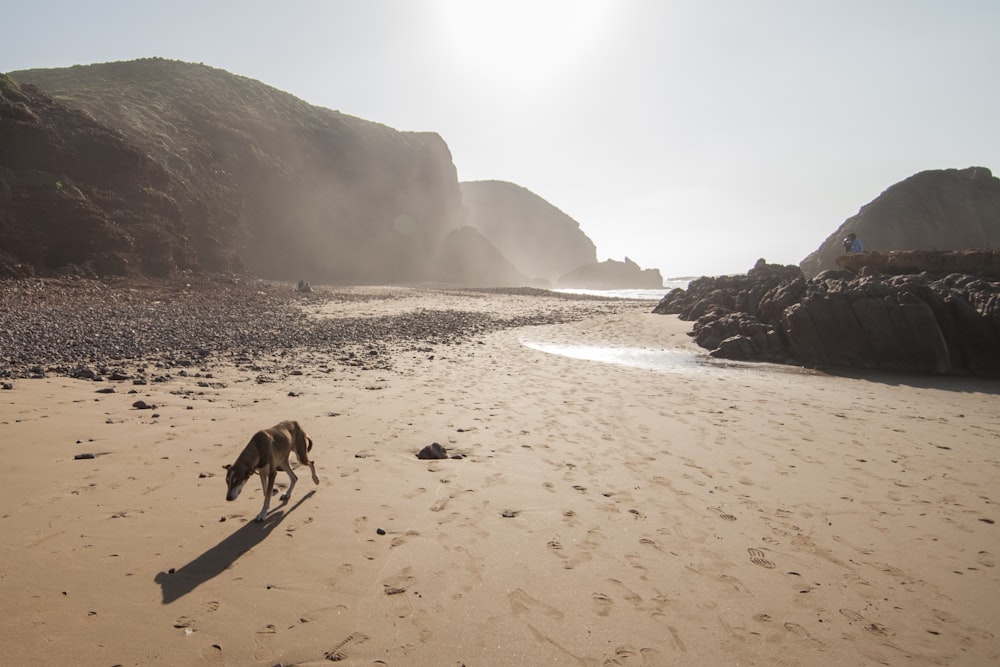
(267, 483)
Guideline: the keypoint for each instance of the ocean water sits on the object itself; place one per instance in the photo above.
(647, 294)
(663, 360)
(636, 357)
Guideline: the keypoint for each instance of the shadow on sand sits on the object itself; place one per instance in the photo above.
(214, 561)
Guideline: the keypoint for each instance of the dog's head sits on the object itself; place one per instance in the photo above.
(235, 479)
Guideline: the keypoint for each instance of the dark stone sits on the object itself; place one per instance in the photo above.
(914, 322)
(433, 451)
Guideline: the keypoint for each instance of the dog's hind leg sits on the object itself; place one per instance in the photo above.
(303, 456)
(292, 479)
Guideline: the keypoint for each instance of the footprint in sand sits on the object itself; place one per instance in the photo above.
(757, 557)
(801, 632)
(399, 540)
(852, 615)
(186, 623)
(399, 582)
(722, 515)
(986, 559)
(876, 629)
(568, 563)
(650, 543)
(637, 515)
(627, 592)
(341, 651)
(521, 603)
(440, 504)
(625, 655)
(604, 603)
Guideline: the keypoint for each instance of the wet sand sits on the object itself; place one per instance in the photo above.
(599, 513)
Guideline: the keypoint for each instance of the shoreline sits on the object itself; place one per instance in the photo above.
(600, 514)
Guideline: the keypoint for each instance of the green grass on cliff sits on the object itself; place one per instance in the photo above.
(10, 90)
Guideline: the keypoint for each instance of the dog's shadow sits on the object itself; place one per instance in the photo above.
(213, 562)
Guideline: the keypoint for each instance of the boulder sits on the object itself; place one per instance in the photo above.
(433, 451)
(913, 322)
(983, 262)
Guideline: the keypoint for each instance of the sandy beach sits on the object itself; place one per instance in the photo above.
(671, 512)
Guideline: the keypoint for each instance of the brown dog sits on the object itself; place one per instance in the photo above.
(266, 454)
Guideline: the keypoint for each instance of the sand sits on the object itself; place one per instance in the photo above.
(600, 514)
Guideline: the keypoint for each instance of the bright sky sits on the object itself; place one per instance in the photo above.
(692, 136)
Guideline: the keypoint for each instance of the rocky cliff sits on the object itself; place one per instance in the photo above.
(221, 171)
(949, 209)
(916, 322)
(468, 258)
(75, 193)
(535, 236)
(611, 274)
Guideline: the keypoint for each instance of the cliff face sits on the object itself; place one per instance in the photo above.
(246, 175)
(535, 236)
(946, 209)
(74, 193)
(467, 257)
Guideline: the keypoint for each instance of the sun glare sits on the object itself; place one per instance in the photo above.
(521, 40)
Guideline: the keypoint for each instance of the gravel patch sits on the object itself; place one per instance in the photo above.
(119, 329)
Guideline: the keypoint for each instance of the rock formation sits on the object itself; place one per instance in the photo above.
(611, 274)
(76, 194)
(466, 257)
(232, 172)
(982, 263)
(947, 209)
(539, 239)
(914, 322)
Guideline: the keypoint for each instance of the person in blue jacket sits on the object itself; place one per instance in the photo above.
(852, 243)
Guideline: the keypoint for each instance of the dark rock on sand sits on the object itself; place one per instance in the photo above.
(433, 451)
(925, 323)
